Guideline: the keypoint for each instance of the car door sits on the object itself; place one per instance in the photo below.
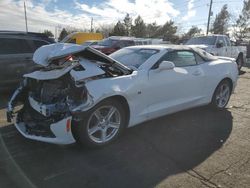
(175, 89)
(15, 58)
(228, 49)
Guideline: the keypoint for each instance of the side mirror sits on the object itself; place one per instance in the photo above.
(219, 44)
(166, 65)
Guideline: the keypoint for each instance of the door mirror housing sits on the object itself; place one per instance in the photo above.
(166, 65)
(219, 44)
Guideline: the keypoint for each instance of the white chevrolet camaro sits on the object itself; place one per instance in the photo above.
(80, 94)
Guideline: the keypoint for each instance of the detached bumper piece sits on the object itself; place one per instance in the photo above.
(37, 127)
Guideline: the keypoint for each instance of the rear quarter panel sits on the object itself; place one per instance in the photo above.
(216, 71)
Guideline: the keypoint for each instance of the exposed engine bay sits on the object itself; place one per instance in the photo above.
(48, 101)
(57, 90)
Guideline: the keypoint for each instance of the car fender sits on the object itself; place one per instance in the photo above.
(128, 86)
(108, 87)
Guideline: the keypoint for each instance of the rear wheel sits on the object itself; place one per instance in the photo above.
(102, 125)
(222, 94)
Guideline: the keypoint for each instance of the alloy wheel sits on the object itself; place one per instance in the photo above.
(104, 124)
(222, 95)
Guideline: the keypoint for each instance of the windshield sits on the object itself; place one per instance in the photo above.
(133, 57)
(209, 40)
(107, 42)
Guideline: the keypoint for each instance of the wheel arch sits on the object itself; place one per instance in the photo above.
(226, 78)
(230, 81)
(240, 55)
(119, 98)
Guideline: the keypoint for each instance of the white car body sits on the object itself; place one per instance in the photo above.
(149, 93)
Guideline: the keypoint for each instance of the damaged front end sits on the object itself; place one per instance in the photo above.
(55, 97)
(48, 108)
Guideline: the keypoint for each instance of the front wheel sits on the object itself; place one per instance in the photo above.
(102, 124)
(222, 94)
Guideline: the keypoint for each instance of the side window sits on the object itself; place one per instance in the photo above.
(38, 43)
(14, 46)
(181, 58)
(221, 38)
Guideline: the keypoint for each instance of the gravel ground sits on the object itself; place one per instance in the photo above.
(194, 148)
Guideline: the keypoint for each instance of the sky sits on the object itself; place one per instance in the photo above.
(57, 14)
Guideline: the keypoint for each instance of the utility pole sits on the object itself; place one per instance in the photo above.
(91, 25)
(56, 33)
(209, 15)
(25, 16)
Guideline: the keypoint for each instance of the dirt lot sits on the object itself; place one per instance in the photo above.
(194, 148)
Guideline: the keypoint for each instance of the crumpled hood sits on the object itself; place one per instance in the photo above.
(45, 54)
(90, 70)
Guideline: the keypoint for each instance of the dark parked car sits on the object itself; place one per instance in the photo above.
(16, 52)
(112, 44)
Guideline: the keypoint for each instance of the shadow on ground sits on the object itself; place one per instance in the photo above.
(143, 157)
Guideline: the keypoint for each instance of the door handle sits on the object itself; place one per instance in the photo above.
(196, 73)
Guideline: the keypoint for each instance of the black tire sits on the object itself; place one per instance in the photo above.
(82, 131)
(240, 62)
(215, 101)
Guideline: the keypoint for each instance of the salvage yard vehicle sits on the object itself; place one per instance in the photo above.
(81, 37)
(220, 45)
(114, 43)
(82, 95)
(16, 51)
